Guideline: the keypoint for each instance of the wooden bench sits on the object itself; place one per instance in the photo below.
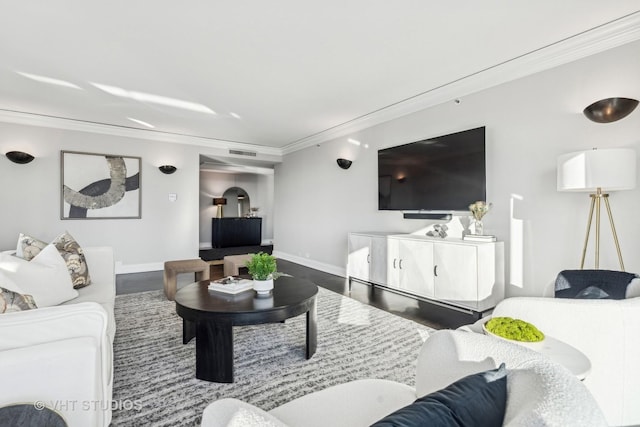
(173, 268)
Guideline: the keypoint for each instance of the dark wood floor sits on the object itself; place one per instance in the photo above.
(410, 308)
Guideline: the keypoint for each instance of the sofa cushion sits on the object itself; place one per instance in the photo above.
(28, 247)
(593, 284)
(45, 277)
(475, 400)
(75, 259)
(11, 301)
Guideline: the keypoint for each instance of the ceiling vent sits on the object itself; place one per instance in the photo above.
(243, 153)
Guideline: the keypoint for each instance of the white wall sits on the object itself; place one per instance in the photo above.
(529, 123)
(213, 184)
(30, 195)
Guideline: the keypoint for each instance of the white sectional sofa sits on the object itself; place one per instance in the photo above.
(539, 391)
(62, 356)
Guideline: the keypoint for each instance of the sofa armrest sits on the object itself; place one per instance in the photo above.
(32, 327)
(236, 413)
(60, 375)
(64, 354)
(28, 332)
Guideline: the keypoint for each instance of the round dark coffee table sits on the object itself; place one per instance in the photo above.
(209, 316)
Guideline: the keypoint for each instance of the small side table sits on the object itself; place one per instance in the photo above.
(558, 351)
(28, 415)
(566, 355)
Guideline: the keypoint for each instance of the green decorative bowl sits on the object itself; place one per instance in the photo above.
(514, 330)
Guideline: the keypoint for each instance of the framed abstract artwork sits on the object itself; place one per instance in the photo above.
(99, 186)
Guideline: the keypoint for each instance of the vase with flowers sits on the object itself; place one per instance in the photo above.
(479, 209)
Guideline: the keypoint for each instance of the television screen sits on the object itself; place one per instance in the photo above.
(446, 173)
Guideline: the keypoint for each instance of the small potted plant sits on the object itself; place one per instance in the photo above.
(263, 269)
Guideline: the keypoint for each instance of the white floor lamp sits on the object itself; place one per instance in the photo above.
(598, 171)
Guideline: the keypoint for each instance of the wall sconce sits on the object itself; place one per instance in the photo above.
(344, 163)
(167, 169)
(610, 109)
(19, 157)
(219, 202)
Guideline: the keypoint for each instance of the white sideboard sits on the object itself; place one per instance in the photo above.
(458, 273)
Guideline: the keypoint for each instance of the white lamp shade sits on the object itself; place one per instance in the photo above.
(609, 169)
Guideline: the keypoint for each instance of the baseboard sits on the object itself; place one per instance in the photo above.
(317, 265)
(138, 268)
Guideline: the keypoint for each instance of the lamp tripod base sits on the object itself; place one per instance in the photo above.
(595, 206)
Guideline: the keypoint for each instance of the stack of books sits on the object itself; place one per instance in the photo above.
(231, 285)
(479, 238)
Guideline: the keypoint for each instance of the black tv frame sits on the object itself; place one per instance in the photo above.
(440, 174)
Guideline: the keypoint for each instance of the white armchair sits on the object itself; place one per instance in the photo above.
(539, 392)
(607, 332)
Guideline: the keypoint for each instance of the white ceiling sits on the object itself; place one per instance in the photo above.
(280, 73)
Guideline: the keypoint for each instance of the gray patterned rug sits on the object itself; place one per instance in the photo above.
(154, 373)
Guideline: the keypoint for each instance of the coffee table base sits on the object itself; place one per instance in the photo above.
(214, 345)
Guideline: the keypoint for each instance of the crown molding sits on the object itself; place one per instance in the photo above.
(30, 119)
(593, 41)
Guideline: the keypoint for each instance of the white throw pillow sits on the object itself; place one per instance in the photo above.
(45, 277)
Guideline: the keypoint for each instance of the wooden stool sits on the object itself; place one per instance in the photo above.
(233, 263)
(216, 269)
(173, 268)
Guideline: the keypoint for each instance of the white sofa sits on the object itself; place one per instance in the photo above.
(607, 332)
(539, 392)
(62, 356)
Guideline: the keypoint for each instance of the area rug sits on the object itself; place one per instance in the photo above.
(154, 373)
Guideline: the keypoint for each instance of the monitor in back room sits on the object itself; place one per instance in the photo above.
(446, 173)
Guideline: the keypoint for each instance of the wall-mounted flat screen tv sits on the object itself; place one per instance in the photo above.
(446, 173)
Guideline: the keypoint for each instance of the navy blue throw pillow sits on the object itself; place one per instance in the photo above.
(476, 400)
(593, 284)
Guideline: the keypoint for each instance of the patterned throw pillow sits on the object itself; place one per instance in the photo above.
(29, 247)
(12, 301)
(74, 257)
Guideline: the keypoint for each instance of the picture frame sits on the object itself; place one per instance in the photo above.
(99, 186)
